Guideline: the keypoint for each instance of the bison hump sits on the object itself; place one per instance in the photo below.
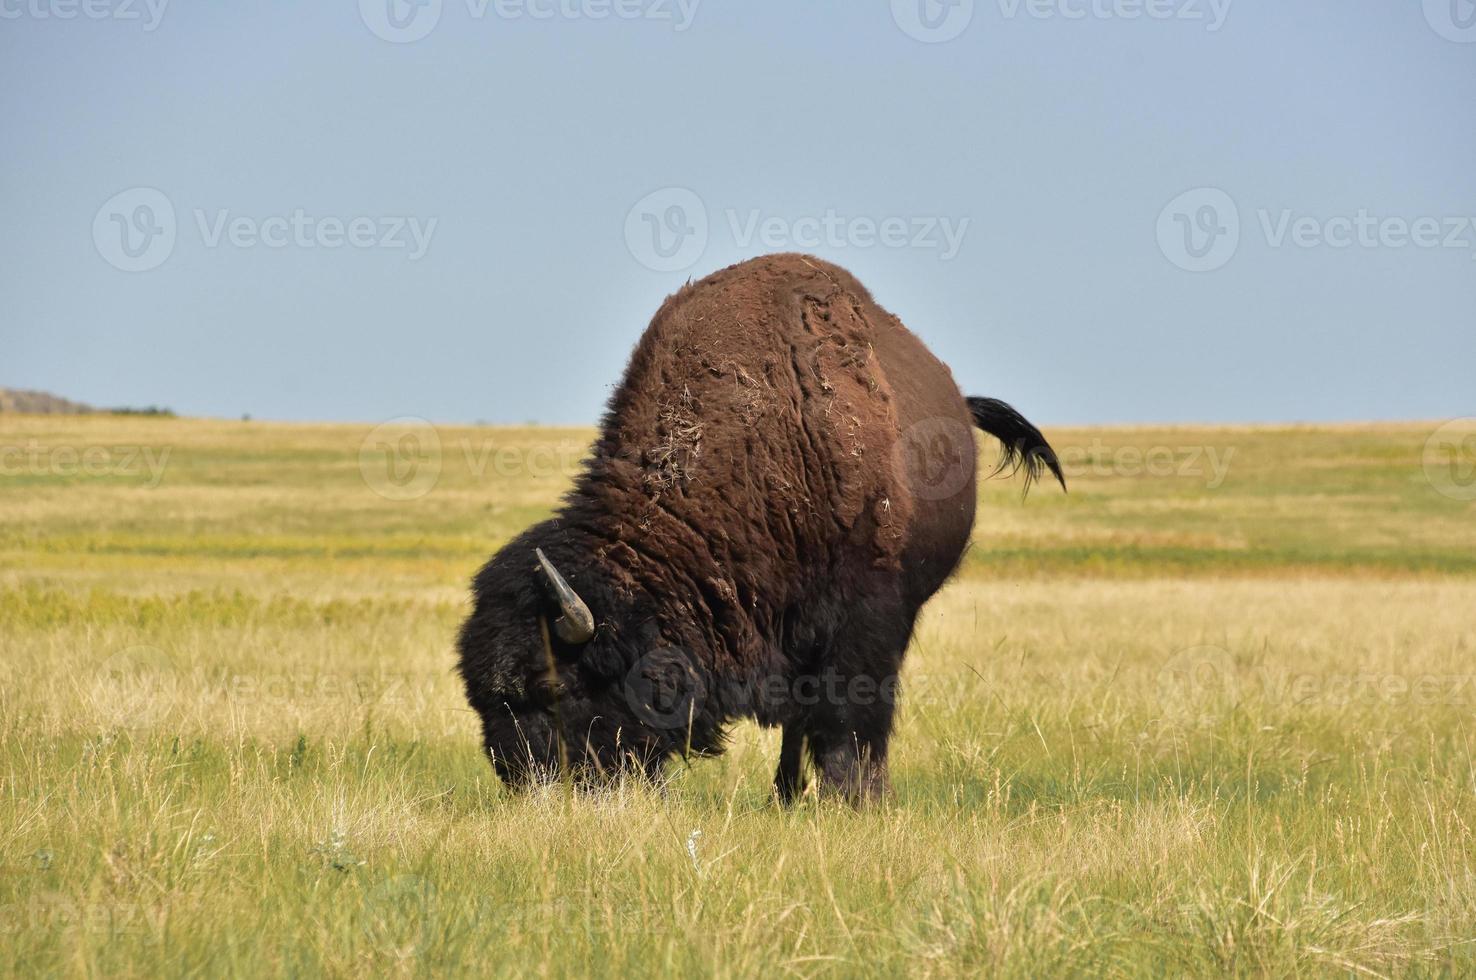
(762, 420)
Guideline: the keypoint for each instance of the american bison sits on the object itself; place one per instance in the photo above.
(781, 480)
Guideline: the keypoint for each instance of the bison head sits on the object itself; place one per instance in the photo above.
(567, 676)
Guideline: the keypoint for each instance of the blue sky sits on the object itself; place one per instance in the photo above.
(1101, 210)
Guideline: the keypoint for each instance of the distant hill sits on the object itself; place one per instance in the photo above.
(21, 402)
(39, 403)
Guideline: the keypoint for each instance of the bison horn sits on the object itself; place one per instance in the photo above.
(576, 625)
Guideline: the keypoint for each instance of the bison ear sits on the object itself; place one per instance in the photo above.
(575, 625)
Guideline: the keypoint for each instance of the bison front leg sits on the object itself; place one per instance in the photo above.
(789, 780)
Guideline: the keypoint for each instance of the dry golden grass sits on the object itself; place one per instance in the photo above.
(1155, 727)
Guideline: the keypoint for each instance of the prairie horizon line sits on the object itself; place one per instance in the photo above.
(252, 418)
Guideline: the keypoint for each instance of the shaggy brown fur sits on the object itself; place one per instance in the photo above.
(752, 437)
(783, 476)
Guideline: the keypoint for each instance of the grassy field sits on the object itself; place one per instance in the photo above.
(1210, 713)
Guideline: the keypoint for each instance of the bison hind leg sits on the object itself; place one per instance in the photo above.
(849, 725)
(852, 764)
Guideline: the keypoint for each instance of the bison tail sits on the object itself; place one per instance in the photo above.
(1024, 447)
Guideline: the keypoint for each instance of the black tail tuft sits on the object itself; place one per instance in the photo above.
(1024, 446)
